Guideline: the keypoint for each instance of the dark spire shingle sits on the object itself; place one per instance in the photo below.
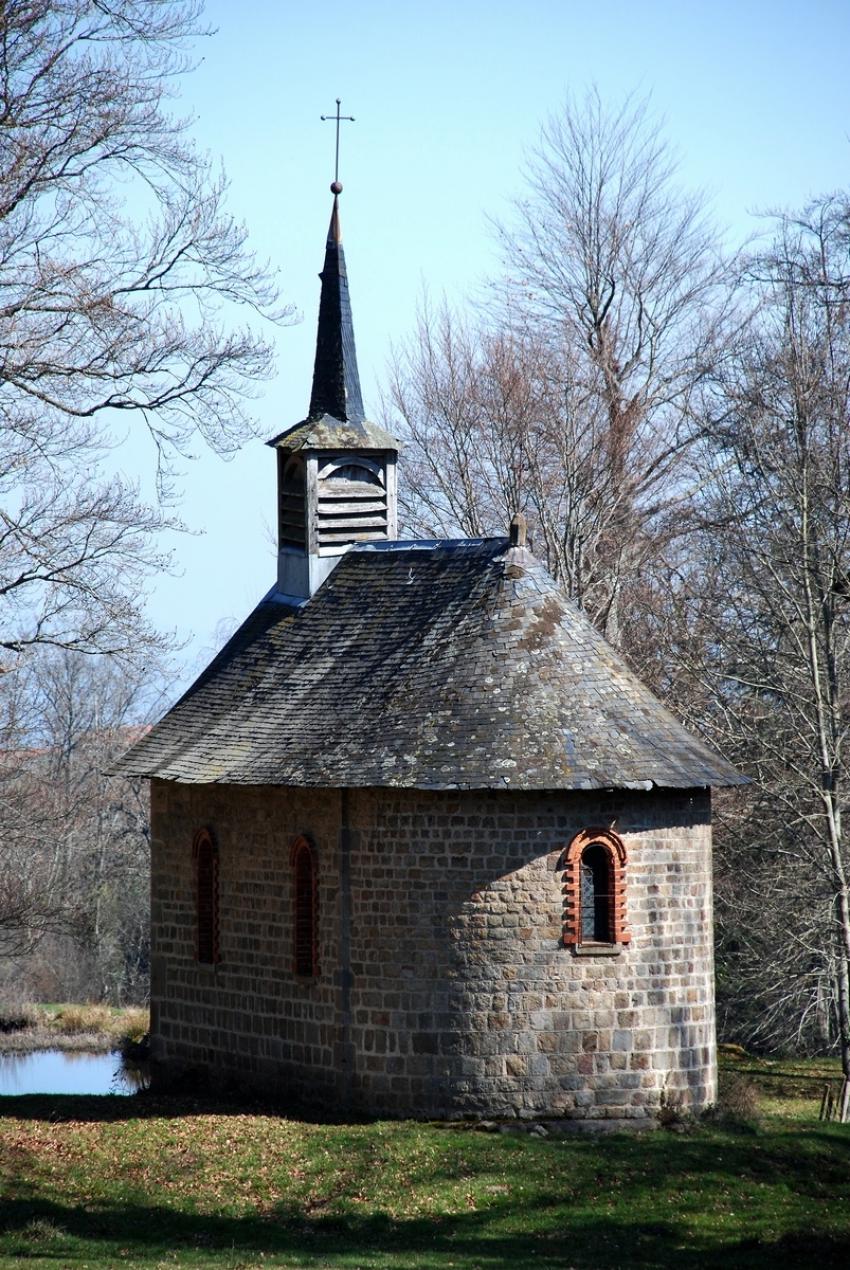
(336, 382)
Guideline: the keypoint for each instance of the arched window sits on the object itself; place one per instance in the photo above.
(205, 854)
(596, 898)
(305, 923)
(595, 889)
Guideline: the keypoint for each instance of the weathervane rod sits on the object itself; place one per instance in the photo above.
(337, 118)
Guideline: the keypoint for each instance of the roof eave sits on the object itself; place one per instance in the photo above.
(329, 433)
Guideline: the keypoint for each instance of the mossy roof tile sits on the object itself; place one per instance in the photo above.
(426, 665)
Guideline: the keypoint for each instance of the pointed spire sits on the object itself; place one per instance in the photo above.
(336, 382)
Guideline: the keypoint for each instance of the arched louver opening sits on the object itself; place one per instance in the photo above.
(205, 855)
(595, 889)
(291, 501)
(305, 924)
(352, 501)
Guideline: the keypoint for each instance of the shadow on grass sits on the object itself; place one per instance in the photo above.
(584, 1205)
(100, 1108)
(52, 1231)
(144, 1105)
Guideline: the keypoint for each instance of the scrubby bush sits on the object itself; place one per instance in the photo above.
(16, 1017)
(673, 1114)
(738, 1103)
(74, 1019)
(132, 1025)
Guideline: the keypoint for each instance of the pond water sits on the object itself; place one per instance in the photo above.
(68, 1072)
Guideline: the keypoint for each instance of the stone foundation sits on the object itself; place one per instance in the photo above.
(444, 986)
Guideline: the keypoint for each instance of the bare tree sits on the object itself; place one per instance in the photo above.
(466, 401)
(117, 263)
(74, 849)
(29, 862)
(608, 252)
(584, 372)
(778, 547)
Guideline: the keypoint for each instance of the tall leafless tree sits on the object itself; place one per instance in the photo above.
(776, 577)
(118, 261)
(467, 402)
(74, 852)
(583, 373)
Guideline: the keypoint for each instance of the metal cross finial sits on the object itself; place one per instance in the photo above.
(337, 118)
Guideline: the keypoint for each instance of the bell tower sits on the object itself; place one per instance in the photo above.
(336, 471)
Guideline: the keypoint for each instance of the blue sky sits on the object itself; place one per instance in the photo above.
(754, 97)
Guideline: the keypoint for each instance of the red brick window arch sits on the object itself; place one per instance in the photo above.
(595, 889)
(305, 907)
(205, 857)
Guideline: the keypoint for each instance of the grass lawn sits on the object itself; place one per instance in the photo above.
(150, 1181)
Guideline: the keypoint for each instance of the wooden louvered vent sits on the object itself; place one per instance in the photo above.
(292, 502)
(352, 502)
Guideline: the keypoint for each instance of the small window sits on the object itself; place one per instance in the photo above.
(305, 925)
(594, 890)
(596, 897)
(205, 855)
(353, 473)
(352, 468)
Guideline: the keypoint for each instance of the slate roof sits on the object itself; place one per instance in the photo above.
(328, 433)
(430, 665)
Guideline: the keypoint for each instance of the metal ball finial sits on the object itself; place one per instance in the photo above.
(336, 187)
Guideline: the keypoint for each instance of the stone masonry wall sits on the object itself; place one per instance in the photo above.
(249, 1018)
(444, 987)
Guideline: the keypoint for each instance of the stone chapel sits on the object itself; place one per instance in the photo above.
(422, 844)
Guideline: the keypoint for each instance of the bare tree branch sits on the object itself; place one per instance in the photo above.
(121, 273)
